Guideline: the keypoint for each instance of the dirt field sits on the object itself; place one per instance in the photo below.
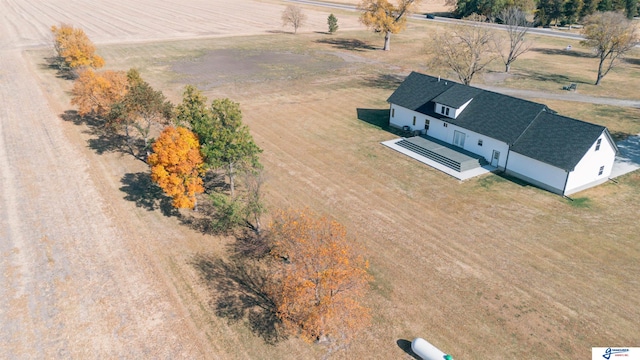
(93, 268)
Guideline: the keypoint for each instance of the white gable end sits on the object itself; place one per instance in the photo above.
(594, 167)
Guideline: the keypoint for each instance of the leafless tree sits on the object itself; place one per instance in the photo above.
(466, 49)
(514, 44)
(254, 206)
(293, 15)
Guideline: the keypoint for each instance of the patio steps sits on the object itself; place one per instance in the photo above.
(456, 165)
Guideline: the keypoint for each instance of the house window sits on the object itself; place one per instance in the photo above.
(480, 142)
(598, 144)
(426, 124)
(446, 110)
(445, 124)
(601, 170)
(414, 121)
(393, 112)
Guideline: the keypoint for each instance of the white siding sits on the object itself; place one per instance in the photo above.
(534, 171)
(585, 173)
(404, 117)
(439, 131)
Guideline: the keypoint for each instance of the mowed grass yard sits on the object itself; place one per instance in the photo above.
(487, 268)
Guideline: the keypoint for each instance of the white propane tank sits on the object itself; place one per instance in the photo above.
(426, 351)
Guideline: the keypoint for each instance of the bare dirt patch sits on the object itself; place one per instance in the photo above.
(222, 66)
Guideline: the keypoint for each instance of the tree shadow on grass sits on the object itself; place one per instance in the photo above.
(384, 81)
(57, 63)
(106, 140)
(139, 188)
(347, 44)
(632, 61)
(105, 137)
(215, 181)
(280, 32)
(556, 78)
(405, 345)
(239, 294)
(250, 244)
(573, 53)
(202, 220)
(561, 80)
(77, 119)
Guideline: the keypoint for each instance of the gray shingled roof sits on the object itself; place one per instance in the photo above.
(529, 128)
(457, 95)
(495, 115)
(498, 116)
(418, 89)
(557, 140)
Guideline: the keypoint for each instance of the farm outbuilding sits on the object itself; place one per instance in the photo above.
(522, 138)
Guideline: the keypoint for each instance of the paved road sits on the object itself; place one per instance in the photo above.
(568, 96)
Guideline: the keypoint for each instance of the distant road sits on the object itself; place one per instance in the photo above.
(421, 17)
(568, 96)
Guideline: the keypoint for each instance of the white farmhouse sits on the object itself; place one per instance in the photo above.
(525, 139)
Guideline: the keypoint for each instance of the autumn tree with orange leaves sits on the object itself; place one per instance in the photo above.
(384, 17)
(74, 48)
(95, 93)
(322, 277)
(176, 166)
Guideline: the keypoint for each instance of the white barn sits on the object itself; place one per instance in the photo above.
(525, 139)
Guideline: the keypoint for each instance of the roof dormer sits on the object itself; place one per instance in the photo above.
(450, 111)
(453, 101)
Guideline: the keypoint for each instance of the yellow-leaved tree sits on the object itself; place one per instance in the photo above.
(322, 279)
(95, 93)
(382, 16)
(176, 165)
(74, 47)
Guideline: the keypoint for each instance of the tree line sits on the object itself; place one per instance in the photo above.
(560, 12)
(319, 277)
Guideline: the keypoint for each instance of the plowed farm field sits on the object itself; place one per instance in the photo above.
(95, 264)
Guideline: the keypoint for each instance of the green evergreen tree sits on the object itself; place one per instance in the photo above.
(543, 11)
(605, 5)
(631, 8)
(571, 11)
(332, 21)
(588, 8)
